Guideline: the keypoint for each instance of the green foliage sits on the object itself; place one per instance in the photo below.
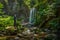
(45, 10)
(6, 21)
(1, 7)
(31, 3)
(27, 2)
(54, 23)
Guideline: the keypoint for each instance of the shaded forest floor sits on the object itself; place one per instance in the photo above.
(28, 34)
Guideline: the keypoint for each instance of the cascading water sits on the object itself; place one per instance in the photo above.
(32, 16)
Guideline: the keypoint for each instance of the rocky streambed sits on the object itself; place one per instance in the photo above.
(28, 34)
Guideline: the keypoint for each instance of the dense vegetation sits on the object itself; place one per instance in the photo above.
(46, 15)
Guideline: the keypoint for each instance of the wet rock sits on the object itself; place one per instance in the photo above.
(27, 32)
(20, 35)
(1, 34)
(17, 38)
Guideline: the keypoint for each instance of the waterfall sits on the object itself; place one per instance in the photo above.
(31, 16)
